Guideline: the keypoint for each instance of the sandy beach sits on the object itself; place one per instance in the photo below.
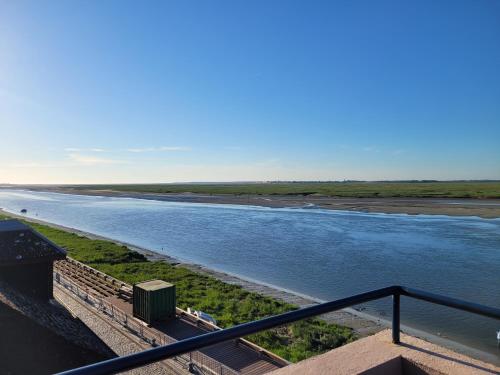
(485, 208)
(362, 323)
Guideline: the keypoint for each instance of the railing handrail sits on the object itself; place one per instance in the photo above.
(135, 360)
(105, 276)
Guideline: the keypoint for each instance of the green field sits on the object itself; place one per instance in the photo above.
(229, 304)
(466, 189)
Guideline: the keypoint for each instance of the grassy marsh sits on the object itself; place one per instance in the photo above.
(416, 189)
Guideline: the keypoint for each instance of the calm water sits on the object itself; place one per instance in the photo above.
(321, 253)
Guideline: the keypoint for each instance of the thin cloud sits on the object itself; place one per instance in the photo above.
(174, 148)
(92, 160)
(159, 149)
(31, 165)
(74, 149)
(132, 149)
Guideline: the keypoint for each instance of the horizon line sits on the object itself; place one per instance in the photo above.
(251, 182)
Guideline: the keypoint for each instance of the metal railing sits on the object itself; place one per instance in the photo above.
(116, 365)
(148, 335)
(117, 283)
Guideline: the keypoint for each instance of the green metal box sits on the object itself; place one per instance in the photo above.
(154, 300)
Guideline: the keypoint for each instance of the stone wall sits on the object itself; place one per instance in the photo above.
(55, 317)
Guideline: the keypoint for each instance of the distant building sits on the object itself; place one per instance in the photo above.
(26, 259)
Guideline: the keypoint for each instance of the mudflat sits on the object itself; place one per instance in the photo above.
(485, 208)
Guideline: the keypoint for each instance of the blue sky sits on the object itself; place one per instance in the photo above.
(165, 91)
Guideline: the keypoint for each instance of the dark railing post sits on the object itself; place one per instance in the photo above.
(395, 318)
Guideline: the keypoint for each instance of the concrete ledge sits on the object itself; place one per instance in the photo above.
(378, 355)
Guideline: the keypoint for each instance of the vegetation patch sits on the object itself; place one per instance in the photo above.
(229, 304)
(348, 189)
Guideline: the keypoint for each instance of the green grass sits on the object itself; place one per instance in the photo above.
(229, 304)
(433, 189)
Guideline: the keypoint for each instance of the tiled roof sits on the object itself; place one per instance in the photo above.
(21, 244)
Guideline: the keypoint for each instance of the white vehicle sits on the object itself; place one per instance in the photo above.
(201, 315)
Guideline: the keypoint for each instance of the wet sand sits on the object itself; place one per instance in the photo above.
(485, 208)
